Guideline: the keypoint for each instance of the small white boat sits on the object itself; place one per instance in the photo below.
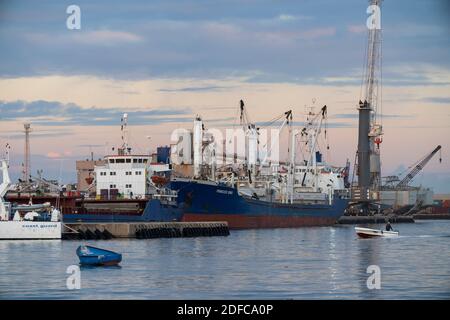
(372, 233)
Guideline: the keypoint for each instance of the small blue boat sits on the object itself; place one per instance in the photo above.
(97, 257)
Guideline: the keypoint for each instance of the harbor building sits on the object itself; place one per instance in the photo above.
(406, 197)
(86, 174)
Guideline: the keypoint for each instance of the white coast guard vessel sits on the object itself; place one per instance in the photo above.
(32, 225)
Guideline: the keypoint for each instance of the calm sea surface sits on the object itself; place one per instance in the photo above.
(308, 263)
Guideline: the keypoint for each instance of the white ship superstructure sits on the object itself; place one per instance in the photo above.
(126, 175)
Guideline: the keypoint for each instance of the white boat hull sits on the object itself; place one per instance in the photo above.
(372, 233)
(29, 230)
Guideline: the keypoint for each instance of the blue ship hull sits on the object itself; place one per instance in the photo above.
(206, 201)
(154, 211)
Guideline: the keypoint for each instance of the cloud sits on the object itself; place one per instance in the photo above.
(59, 155)
(53, 155)
(196, 89)
(440, 100)
(317, 33)
(191, 39)
(357, 28)
(401, 74)
(356, 115)
(90, 145)
(52, 113)
(38, 134)
(106, 37)
(416, 74)
(90, 38)
(302, 124)
(402, 30)
(286, 17)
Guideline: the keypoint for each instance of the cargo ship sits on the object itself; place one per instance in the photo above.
(211, 201)
(254, 193)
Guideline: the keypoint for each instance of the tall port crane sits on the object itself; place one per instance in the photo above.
(417, 168)
(370, 112)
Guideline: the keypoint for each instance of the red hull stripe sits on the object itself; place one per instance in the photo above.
(365, 235)
(254, 222)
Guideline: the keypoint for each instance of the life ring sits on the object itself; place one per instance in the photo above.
(378, 141)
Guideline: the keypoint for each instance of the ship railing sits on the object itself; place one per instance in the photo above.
(342, 193)
(166, 196)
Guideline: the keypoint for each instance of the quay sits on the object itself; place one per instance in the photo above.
(375, 219)
(432, 216)
(143, 230)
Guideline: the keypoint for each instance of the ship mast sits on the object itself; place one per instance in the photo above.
(125, 149)
(251, 137)
(197, 145)
(26, 166)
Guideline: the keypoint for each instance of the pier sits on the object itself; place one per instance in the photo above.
(432, 216)
(143, 230)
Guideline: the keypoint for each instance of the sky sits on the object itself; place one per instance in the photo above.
(163, 62)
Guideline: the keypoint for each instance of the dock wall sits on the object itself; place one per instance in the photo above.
(144, 230)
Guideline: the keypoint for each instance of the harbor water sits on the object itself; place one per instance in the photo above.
(305, 263)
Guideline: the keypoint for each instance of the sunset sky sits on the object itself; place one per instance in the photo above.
(163, 62)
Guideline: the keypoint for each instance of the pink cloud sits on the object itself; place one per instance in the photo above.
(53, 155)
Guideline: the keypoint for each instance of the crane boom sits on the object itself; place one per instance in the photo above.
(417, 168)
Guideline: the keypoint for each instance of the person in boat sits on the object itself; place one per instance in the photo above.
(389, 227)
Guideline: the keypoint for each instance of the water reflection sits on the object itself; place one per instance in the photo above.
(368, 254)
(308, 263)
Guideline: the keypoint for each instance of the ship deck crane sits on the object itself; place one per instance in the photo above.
(417, 168)
(314, 125)
(287, 120)
(243, 117)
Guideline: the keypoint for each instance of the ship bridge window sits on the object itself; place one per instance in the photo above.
(145, 160)
(128, 160)
(140, 160)
(111, 161)
(135, 160)
(120, 160)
